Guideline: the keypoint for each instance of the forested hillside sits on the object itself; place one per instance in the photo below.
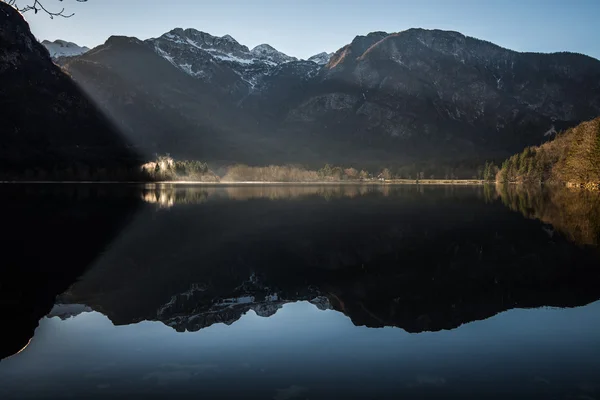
(573, 157)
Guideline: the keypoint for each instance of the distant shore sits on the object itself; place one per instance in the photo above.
(273, 183)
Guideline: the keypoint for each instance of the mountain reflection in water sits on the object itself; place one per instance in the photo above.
(303, 352)
(192, 258)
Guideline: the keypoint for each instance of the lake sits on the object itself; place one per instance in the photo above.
(299, 292)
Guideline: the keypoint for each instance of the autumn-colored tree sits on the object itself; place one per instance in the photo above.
(572, 157)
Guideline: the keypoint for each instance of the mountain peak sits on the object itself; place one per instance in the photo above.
(269, 53)
(263, 48)
(321, 58)
(120, 40)
(217, 58)
(62, 48)
(229, 39)
(202, 40)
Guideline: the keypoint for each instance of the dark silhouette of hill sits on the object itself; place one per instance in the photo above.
(52, 234)
(50, 129)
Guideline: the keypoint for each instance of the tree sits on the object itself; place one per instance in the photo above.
(24, 6)
(386, 174)
(351, 173)
(337, 173)
(595, 155)
(325, 172)
(504, 171)
(489, 171)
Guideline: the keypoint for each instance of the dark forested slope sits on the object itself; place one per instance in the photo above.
(49, 128)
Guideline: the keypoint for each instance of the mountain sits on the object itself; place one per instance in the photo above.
(162, 108)
(446, 96)
(321, 58)
(433, 100)
(50, 129)
(214, 59)
(267, 53)
(572, 157)
(61, 48)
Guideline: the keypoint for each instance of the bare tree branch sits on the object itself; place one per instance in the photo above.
(36, 6)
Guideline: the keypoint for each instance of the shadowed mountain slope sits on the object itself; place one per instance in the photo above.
(48, 125)
(417, 96)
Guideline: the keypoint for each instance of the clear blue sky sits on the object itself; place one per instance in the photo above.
(303, 28)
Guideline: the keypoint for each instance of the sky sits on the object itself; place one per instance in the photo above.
(304, 28)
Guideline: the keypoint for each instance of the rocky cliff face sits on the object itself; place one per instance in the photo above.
(47, 123)
(417, 96)
(444, 90)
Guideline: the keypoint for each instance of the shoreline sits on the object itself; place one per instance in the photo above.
(455, 182)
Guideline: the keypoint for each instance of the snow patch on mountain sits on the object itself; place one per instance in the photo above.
(551, 131)
(165, 55)
(321, 58)
(232, 58)
(267, 53)
(61, 48)
(204, 56)
(187, 68)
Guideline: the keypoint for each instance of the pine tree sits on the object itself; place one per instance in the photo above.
(594, 156)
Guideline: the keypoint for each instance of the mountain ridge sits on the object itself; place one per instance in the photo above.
(431, 97)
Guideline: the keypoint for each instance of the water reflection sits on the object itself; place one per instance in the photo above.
(574, 213)
(51, 234)
(168, 195)
(303, 352)
(422, 259)
(200, 259)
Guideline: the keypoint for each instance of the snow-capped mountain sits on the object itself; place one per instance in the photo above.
(267, 53)
(213, 59)
(386, 91)
(321, 58)
(61, 48)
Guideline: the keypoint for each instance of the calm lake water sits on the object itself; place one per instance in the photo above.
(299, 292)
